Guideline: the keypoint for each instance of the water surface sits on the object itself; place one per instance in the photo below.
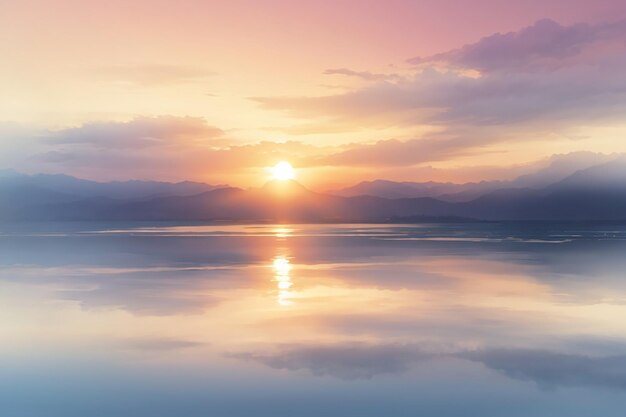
(118, 320)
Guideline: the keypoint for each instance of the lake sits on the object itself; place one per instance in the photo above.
(164, 320)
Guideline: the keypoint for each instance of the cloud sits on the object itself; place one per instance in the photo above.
(395, 153)
(138, 133)
(517, 86)
(151, 147)
(543, 45)
(152, 75)
(348, 361)
(368, 102)
(159, 344)
(576, 94)
(56, 157)
(530, 85)
(364, 75)
(179, 148)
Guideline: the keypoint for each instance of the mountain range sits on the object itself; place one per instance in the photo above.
(557, 168)
(596, 192)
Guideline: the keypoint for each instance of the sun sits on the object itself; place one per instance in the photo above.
(283, 171)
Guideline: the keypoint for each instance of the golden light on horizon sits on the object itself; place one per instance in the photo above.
(283, 171)
(282, 232)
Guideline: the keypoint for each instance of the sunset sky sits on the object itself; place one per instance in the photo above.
(345, 90)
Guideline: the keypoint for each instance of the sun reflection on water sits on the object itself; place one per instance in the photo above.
(282, 277)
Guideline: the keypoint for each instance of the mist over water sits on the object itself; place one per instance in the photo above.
(165, 320)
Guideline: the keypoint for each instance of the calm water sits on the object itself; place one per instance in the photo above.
(320, 320)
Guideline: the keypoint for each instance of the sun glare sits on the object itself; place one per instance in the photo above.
(283, 171)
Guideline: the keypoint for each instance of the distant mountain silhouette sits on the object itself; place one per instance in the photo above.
(558, 168)
(66, 184)
(596, 193)
(443, 190)
(607, 176)
(275, 201)
(593, 193)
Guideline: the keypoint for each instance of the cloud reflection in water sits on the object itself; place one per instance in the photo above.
(317, 315)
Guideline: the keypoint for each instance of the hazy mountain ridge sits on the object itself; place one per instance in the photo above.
(407, 189)
(557, 168)
(66, 184)
(593, 193)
